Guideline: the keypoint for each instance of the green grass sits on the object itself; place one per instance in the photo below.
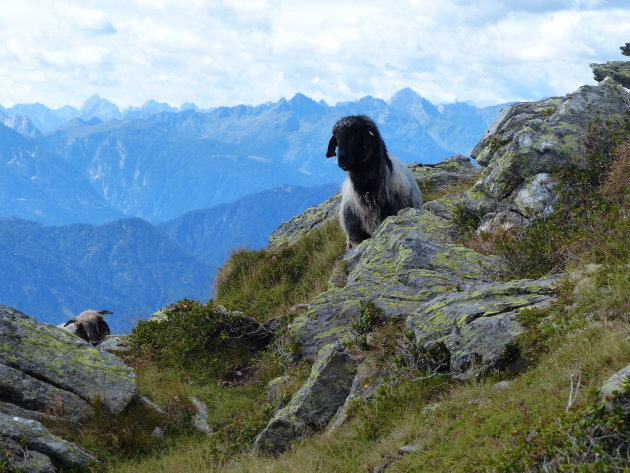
(266, 283)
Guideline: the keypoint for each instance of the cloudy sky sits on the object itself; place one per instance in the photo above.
(224, 52)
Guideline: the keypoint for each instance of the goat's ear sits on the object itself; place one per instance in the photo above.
(332, 144)
(71, 321)
(103, 329)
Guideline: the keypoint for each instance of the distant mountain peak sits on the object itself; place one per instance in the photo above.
(95, 106)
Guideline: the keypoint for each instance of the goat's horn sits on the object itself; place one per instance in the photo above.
(332, 144)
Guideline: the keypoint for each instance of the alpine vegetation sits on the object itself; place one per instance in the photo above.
(378, 184)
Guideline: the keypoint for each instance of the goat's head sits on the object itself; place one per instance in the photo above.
(92, 329)
(357, 140)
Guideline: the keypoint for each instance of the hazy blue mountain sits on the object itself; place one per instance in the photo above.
(43, 118)
(165, 161)
(211, 234)
(96, 107)
(21, 124)
(36, 184)
(152, 170)
(151, 107)
(128, 267)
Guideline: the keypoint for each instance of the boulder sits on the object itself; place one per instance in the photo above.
(409, 260)
(531, 138)
(47, 366)
(313, 405)
(33, 447)
(474, 330)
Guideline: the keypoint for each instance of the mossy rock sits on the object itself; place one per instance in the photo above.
(65, 361)
(409, 260)
(476, 330)
(315, 403)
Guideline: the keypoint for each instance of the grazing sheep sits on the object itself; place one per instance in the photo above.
(90, 325)
(378, 184)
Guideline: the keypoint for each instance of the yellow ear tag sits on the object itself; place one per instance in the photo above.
(370, 132)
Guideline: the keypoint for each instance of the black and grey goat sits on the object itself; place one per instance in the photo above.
(90, 325)
(378, 184)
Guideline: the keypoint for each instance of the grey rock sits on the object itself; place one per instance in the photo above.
(409, 260)
(537, 195)
(34, 436)
(451, 171)
(405, 449)
(60, 359)
(115, 344)
(32, 394)
(200, 419)
(538, 137)
(502, 221)
(311, 408)
(475, 330)
(615, 392)
(30, 461)
(618, 71)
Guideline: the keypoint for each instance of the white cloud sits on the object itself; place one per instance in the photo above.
(223, 52)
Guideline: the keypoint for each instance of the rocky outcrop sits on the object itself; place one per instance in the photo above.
(619, 71)
(525, 145)
(314, 404)
(41, 352)
(476, 329)
(35, 449)
(410, 259)
(46, 372)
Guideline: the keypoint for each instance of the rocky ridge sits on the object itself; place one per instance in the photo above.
(452, 298)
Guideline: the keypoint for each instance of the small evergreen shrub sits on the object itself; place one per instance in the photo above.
(197, 338)
(587, 439)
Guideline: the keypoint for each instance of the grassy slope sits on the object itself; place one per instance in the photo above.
(462, 427)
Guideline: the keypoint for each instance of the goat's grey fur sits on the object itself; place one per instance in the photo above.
(378, 184)
(90, 325)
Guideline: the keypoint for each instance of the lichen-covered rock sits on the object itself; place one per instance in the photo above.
(536, 196)
(62, 360)
(313, 405)
(409, 260)
(450, 172)
(291, 231)
(619, 71)
(615, 392)
(539, 137)
(31, 436)
(32, 394)
(474, 330)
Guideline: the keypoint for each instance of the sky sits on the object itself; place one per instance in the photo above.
(226, 52)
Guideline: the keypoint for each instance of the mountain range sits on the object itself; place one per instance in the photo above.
(157, 162)
(128, 211)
